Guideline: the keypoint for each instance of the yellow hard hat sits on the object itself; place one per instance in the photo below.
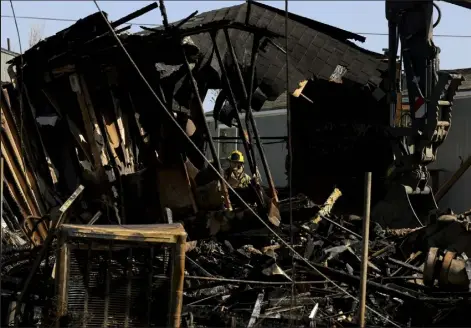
(236, 156)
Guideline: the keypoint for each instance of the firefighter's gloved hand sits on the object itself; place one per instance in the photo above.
(257, 179)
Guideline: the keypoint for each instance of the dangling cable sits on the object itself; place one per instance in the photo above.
(439, 18)
(20, 88)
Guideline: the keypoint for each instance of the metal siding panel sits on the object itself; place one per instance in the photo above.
(212, 130)
(213, 133)
(226, 147)
(457, 144)
(272, 126)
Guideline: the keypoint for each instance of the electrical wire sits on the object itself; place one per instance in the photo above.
(158, 25)
(435, 35)
(20, 87)
(240, 143)
(162, 105)
(439, 18)
(273, 283)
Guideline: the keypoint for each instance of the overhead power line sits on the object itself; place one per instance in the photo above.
(147, 24)
(435, 35)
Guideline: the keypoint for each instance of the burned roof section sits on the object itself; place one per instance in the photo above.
(316, 50)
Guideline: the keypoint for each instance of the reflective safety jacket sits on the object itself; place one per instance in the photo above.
(235, 180)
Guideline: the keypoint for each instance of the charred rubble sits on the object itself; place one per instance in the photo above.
(104, 159)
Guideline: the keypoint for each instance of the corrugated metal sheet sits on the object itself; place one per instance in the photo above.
(5, 57)
(455, 149)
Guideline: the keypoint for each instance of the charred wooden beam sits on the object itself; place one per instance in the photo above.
(134, 14)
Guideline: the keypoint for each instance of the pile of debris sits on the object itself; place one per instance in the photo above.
(416, 277)
(94, 139)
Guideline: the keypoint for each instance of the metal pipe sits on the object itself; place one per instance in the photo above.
(249, 115)
(364, 256)
(340, 226)
(244, 90)
(234, 105)
(217, 164)
(282, 138)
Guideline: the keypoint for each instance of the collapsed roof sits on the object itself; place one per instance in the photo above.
(316, 50)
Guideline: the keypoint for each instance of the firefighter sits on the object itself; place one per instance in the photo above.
(235, 174)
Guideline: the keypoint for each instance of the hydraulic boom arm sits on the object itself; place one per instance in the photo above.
(431, 93)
